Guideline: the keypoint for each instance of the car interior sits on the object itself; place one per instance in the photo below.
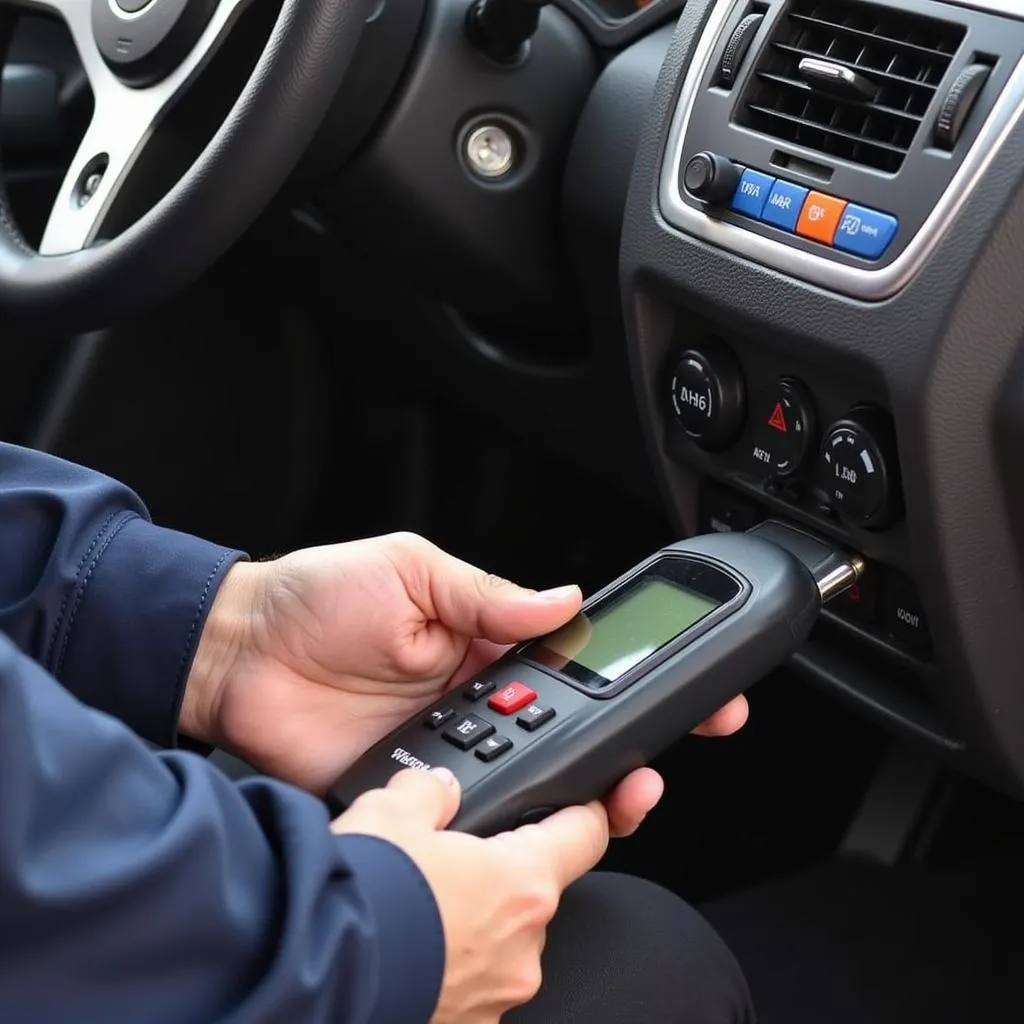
(555, 284)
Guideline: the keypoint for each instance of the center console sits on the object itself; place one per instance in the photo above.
(775, 435)
(821, 264)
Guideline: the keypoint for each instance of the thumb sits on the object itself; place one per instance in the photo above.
(433, 796)
(477, 604)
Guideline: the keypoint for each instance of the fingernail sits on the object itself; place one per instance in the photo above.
(558, 593)
(445, 775)
(657, 799)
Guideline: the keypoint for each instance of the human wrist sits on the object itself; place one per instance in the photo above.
(228, 627)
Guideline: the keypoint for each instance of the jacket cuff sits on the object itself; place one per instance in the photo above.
(410, 936)
(133, 622)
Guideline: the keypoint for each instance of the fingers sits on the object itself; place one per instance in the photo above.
(476, 604)
(412, 797)
(571, 841)
(632, 800)
(574, 840)
(727, 720)
(433, 795)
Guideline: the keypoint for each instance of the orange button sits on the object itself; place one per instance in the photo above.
(820, 217)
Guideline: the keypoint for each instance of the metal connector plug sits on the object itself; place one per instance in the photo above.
(833, 569)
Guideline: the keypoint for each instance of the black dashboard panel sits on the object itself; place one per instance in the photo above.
(935, 358)
(613, 23)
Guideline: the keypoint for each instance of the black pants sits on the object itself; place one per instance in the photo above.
(625, 951)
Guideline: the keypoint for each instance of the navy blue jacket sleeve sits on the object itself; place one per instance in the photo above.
(110, 604)
(142, 886)
(147, 886)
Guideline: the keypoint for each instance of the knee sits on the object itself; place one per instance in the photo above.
(641, 945)
(666, 930)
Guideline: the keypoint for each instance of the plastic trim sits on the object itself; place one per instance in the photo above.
(613, 32)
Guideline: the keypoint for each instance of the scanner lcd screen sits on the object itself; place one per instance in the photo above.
(601, 646)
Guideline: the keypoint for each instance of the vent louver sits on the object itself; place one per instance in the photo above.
(905, 56)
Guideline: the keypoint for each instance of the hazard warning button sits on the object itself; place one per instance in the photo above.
(782, 429)
(777, 420)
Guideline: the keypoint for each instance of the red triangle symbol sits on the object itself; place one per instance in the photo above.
(777, 420)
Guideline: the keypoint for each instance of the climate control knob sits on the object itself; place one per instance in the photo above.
(858, 468)
(709, 396)
(711, 178)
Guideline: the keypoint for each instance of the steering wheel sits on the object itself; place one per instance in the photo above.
(140, 57)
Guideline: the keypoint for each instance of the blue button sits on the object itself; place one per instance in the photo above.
(785, 201)
(752, 193)
(865, 232)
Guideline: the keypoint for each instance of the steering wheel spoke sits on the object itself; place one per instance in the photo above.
(98, 170)
(125, 116)
(140, 56)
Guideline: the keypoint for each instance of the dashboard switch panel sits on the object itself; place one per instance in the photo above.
(817, 216)
(761, 420)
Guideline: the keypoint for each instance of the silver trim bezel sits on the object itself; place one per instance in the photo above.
(1008, 7)
(861, 283)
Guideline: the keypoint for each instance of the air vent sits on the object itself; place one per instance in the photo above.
(903, 56)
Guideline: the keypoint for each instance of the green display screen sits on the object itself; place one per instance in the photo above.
(624, 632)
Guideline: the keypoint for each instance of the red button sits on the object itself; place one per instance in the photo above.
(512, 698)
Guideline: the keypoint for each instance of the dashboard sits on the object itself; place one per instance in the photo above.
(749, 259)
(784, 273)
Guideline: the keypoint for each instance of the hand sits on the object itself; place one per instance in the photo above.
(308, 660)
(495, 896)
